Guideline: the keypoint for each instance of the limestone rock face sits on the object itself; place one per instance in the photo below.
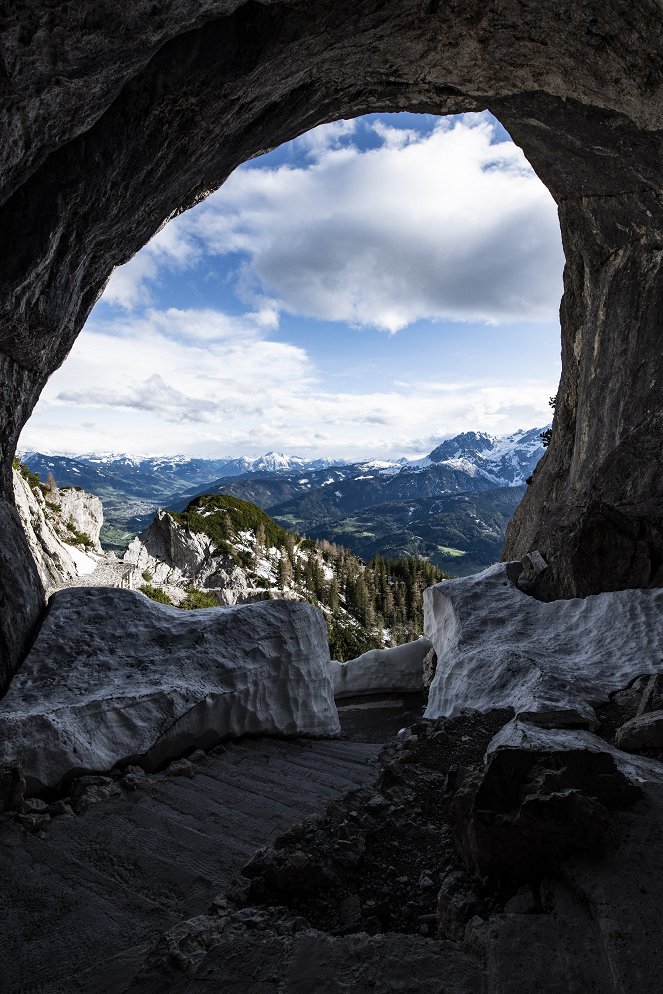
(113, 676)
(176, 556)
(118, 119)
(56, 559)
(83, 510)
(550, 662)
(381, 671)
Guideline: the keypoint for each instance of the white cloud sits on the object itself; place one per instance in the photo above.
(450, 225)
(446, 226)
(320, 140)
(203, 382)
(171, 250)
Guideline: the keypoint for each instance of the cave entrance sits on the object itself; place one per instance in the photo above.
(99, 152)
(337, 335)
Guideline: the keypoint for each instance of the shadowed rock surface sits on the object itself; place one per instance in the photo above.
(116, 118)
(381, 892)
(160, 849)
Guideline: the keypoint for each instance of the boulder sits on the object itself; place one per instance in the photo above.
(645, 731)
(381, 671)
(652, 695)
(544, 794)
(113, 676)
(533, 566)
(499, 648)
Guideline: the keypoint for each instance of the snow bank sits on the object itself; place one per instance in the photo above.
(497, 647)
(114, 676)
(381, 671)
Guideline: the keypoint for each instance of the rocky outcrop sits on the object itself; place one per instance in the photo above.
(498, 647)
(100, 106)
(113, 676)
(176, 557)
(382, 671)
(83, 511)
(54, 526)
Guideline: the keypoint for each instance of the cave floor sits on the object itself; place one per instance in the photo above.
(99, 888)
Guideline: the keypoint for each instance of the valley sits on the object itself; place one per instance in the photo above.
(450, 507)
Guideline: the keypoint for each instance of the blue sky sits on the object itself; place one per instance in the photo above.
(366, 290)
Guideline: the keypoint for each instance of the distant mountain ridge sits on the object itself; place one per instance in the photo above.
(306, 495)
(502, 459)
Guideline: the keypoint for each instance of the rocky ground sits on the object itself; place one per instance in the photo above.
(110, 572)
(373, 893)
(374, 862)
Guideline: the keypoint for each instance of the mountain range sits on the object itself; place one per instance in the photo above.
(387, 507)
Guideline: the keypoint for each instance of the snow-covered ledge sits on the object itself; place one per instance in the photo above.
(497, 647)
(382, 671)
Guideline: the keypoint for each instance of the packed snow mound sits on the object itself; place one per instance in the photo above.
(381, 671)
(113, 676)
(497, 647)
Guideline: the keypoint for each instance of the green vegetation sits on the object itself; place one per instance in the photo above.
(147, 576)
(198, 598)
(435, 528)
(546, 434)
(155, 594)
(223, 517)
(366, 605)
(31, 478)
(79, 538)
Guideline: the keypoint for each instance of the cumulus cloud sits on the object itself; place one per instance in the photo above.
(159, 383)
(172, 250)
(153, 394)
(447, 225)
(378, 229)
(452, 225)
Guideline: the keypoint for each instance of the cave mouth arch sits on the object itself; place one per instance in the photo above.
(404, 241)
(409, 218)
(162, 113)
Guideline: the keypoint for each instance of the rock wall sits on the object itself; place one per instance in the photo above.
(116, 118)
(52, 546)
(84, 511)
